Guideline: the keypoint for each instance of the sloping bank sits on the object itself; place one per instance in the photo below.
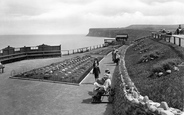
(128, 103)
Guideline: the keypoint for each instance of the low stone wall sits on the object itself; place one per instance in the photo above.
(128, 101)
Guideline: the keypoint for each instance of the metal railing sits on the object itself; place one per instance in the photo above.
(81, 50)
(169, 38)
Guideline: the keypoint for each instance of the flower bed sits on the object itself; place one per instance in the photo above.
(70, 70)
(105, 50)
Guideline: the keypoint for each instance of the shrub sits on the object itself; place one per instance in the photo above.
(166, 65)
(150, 56)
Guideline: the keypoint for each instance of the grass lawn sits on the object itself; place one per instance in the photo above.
(147, 62)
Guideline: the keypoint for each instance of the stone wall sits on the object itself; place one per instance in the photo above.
(129, 101)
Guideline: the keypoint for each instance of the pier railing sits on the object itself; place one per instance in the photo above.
(169, 38)
(81, 50)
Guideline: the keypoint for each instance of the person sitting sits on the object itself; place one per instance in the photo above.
(101, 86)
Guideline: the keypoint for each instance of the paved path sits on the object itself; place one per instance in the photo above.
(23, 97)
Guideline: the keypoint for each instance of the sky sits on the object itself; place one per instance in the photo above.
(77, 16)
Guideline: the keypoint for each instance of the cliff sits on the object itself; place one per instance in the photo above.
(112, 32)
(134, 31)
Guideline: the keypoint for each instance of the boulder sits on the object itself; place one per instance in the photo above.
(152, 108)
(176, 68)
(141, 98)
(166, 112)
(145, 99)
(164, 105)
(160, 74)
(159, 110)
(135, 101)
(156, 104)
(168, 71)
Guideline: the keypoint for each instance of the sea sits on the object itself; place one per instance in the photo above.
(67, 42)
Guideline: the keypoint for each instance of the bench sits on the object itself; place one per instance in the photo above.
(2, 68)
(108, 93)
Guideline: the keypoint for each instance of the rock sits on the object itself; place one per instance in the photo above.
(135, 101)
(159, 110)
(166, 112)
(141, 98)
(146, 99)
(152, 58)
(152, 108)
(168, 71)
(164, 105)
(129, 97)
(135, 95)
(160, 73)
(176, 68)
(175, 111)
(51, 72)
(156, 104)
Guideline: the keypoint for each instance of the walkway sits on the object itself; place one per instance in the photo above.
(22, 97)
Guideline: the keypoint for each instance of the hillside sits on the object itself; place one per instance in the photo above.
(154, 27)
(152, 66)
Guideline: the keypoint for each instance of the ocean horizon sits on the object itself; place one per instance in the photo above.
(67, 41)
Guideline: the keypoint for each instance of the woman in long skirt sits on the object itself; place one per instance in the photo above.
(96, 69)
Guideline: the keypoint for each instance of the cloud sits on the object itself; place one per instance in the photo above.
(77, 16)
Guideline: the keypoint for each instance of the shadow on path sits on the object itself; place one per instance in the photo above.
(87, 101)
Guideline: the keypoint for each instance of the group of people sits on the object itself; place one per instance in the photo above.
(115, 56)
(101, 84)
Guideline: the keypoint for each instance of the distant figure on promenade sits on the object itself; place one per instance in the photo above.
(178, 31)
(117, 58)
(96, 69)
(2, 67)
(113, 55)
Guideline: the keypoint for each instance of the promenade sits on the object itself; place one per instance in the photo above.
(24, 97)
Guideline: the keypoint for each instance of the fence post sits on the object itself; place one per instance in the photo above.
(68, 52)
(174, 40)
(73, 51)
(179, 41)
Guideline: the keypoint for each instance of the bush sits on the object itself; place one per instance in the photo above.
(167, 64)
(150, 56)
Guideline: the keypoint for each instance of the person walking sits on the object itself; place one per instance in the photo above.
(117, 58)
(113, 55)
(96, 69)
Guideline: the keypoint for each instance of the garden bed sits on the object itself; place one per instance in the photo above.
(105, 51)
(68, 71)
